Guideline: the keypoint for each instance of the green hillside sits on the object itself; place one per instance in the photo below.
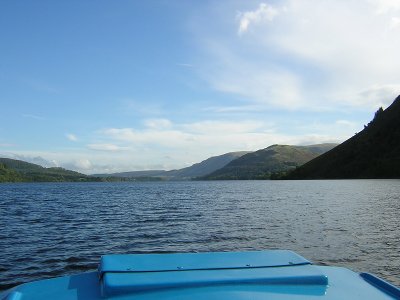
(372, 153)
(9, 175)
(269, 162)
(12, 170)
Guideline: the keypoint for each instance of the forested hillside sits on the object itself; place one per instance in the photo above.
(12, 170)
(372, 153)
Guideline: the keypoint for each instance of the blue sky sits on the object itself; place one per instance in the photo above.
(107, 86)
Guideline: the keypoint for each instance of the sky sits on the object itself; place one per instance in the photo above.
(102, 86)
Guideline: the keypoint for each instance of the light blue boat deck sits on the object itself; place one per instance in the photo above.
(274, 274)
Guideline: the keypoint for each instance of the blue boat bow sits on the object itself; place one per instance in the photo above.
(273, 274)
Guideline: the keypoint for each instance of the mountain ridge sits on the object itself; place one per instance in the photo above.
(268, 162)
(13, 170)
(196, 170)
(275, 159)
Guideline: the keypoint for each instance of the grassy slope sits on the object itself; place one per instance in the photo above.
(266, 162)
(17, 170)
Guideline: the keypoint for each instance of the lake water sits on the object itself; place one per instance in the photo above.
(55, 229)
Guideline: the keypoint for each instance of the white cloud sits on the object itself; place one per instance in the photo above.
(345, 123)
(71, 137)
(234, 109)
(379, 95)
(278, 88)
(82, 164)
(315, 55)
(106, 147)
(157, 123)
(263, 13)
(395, 23)
(224, 127)
(385, 6)
(169, 138)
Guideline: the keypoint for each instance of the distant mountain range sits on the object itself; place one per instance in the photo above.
(12, 170)
(273, 161)
(263, 164)
(251, 165)
(372, 153)
(197, 170)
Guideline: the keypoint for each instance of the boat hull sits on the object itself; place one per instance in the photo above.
(274, 274)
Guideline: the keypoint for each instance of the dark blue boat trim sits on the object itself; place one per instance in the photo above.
(381, 284)
(113, 285)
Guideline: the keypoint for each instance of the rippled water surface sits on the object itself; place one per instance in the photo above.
(50, 229)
